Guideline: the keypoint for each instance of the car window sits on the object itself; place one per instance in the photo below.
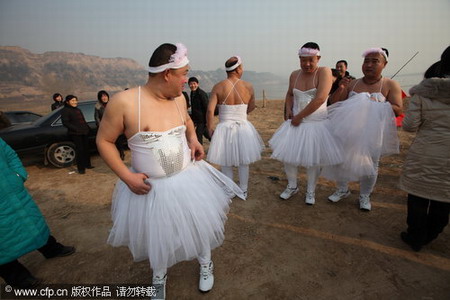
(22, 117)
(88, 112)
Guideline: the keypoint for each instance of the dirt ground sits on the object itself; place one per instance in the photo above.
(273, 249)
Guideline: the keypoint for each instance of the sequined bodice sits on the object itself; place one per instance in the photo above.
(236, 112)
(159, 154)
(302, 99)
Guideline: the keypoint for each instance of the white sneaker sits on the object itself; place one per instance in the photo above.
(288, 193)
(364, 202)
(206, 281)
(245, 195)
(339, 195)
(159, 284)
(310, 198)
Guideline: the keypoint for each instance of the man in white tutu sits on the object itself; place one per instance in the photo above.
(235, 142)
(304, 139)
(170, 206)
(365, 125)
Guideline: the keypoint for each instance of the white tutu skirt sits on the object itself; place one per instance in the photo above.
(367, 131)
(181, 218)
(309, 144)
(235, 143)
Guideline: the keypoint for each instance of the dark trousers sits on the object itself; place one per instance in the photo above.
(82, 151)
(14, 273)
(201, 131)
(426, 219)
(121, 143)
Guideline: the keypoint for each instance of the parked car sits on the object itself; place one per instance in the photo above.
(21, 117)
(47, 136)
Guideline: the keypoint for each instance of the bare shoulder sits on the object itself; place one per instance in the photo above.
(352, 83)
(391, 83)
(247, 84)
(181, 102)
(124, 97)
(294, 74)
(218, 87)
(323, 71)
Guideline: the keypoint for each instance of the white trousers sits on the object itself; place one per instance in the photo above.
(366, 183)
(312, 174)
(202, 259)
(243, 171)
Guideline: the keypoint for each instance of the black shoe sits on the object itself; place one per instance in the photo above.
(81, 171)
(90, 167)
(66, 251)
(407, 239)
(27, 283)
(62, 251)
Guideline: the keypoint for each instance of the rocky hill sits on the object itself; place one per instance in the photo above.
(31, 77)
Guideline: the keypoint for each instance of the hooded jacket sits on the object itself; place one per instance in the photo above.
(426, 170)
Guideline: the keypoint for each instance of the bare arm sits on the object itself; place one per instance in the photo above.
(251, 103)
(395, 97)
(289, 99)
(111, 127)
(323, 89)
(210, 112)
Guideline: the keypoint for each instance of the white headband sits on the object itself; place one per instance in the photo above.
(375, 50)
(177, 60)
(237, 64)
(308, 52)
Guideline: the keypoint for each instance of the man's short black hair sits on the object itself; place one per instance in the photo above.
(342, 61)
(192, 79)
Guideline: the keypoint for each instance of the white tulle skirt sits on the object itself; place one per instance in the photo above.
(181, 218)
(367, 131)
(309, 144)
(235, 143)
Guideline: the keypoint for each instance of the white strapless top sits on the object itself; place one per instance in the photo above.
(236, 112)
(377, 96)
(160, 154)
(302, 99)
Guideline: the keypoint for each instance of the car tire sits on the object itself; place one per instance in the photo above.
(61, 154)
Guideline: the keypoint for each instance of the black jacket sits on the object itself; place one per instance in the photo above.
(73, 119)
(199, 105)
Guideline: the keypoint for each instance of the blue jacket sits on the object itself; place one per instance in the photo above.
(22, 226)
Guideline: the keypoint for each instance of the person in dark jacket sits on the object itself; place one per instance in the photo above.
(188, 103)
(199, 106)
(78, 130)
(57, 101)
(22, 227)
(103, 99)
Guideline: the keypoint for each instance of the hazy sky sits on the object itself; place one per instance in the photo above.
(266, 34)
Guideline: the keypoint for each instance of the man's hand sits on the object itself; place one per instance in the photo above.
(197, 151)
(136, 183)
(296, 120)
(344, 82)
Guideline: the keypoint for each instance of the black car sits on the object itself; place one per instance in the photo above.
(21, 117)
(48, 136)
